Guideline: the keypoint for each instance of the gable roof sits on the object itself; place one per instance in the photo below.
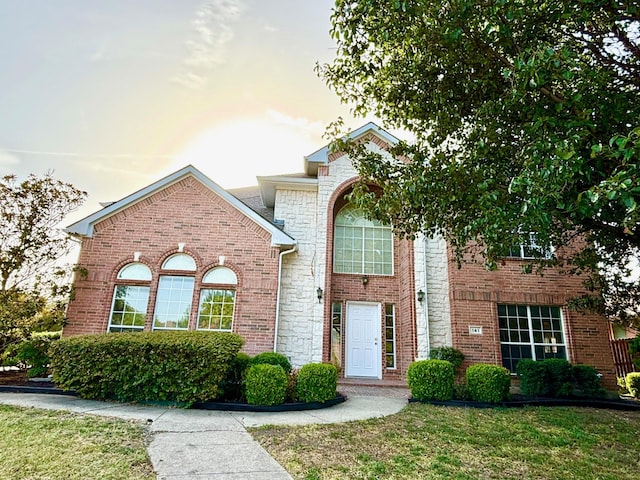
(85, 226)
(321, 157)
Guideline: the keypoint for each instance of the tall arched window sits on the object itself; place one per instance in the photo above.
(129, 305)
(175, 294)
(217, 300)
(361, 245)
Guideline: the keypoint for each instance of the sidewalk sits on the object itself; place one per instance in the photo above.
(204, 444)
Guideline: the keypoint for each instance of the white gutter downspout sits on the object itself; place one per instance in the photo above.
(425, 306)
(275, 333)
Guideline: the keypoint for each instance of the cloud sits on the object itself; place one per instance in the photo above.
(212, 31)
(300, 124)
(8, 162)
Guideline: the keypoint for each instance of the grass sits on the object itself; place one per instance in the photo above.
(39, 444)
(431, 442)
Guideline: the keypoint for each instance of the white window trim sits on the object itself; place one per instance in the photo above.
(363, 263)
(393, 340)
(113, 304)
(532, 343)
(233, 313)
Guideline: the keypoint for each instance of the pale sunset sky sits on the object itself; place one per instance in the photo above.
(111, 95)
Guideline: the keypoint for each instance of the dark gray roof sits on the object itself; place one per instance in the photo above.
(250, 196)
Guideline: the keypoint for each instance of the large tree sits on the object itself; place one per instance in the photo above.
(526, 118)
(34, 285)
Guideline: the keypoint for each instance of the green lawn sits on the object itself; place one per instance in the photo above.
(430, 442)
(40, 444)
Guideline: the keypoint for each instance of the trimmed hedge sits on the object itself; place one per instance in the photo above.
(184, 367)
(272, 358)
(488, 383)
(317, 382)
(431, 379)
(556, 377)
(266, 384)
(232, 387)
(632, 381)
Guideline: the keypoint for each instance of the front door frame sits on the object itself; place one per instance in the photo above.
(372, 342)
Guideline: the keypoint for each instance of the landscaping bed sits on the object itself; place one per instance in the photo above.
(14, 381)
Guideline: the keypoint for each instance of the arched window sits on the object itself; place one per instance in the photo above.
(135, 271)
(217, 301)
(129, 305)
(175, 294)
(360, 245)
(179, 261)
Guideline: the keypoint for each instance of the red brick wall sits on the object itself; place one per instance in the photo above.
(476, 292)
(188, 212)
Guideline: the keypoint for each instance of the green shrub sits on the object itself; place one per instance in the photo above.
(32, 355)
(633, 384)
(450, 354)
(533, 378)
(488, 383)
(182, 367)
(317, 382)
(272, 358)
(431, 379)
(232, 387)
(559, 377)
(587, 382)
(266, 384)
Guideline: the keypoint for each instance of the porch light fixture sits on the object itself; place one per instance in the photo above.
(365, 280)
(319, 294)
(420, 296)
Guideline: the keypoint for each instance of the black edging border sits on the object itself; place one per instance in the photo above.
(626, 405)
(228, 406)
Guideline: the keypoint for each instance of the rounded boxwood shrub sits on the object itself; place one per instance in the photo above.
(272, 358)
(633, 384)
(266, 384)
(431, 379)
(450, 354)
(488, 383)
(317, 382)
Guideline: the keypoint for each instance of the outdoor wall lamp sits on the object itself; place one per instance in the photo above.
(365, 280)
(319, 293)
(420, 296)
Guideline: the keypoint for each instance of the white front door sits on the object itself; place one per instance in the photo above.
(363, 354)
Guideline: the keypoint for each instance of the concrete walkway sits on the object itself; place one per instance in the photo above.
(204, 444)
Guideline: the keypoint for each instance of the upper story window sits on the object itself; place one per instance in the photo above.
(530, 249)
(361, 246)
(179, 261)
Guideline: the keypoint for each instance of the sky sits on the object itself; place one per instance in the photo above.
(112, 95)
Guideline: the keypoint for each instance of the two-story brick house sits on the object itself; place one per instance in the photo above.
(293, 267)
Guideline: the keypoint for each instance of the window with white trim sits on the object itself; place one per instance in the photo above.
(361, 246)
(173, 303)
(217, 304)
(533, 332)
(530, 249)
(129, 308)
(390, 335)
(336, 333)
(129, 304)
